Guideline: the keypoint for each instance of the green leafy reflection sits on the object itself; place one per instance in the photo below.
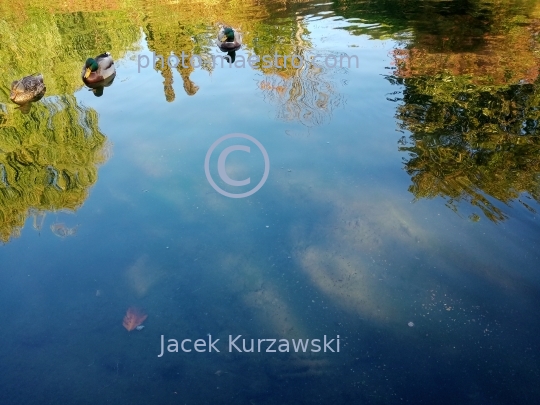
(470, 142)
(470, 77)
(46, 161)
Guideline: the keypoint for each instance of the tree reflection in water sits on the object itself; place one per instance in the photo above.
(304, 92)
(472, 112)
(47, 163)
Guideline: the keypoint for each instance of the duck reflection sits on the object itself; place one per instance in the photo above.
(231, 56)
(25, 108)
(97, 89)
(3, 115)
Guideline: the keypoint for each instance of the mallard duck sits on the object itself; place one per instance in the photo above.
(97, 70)
(228, 40)
(28, 89)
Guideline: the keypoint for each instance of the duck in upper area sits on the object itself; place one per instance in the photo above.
(228, 40)
(28, 89)
(99, 70)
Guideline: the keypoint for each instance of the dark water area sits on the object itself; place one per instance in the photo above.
(397, 150)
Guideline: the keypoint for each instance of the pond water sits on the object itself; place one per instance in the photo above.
(390, 212)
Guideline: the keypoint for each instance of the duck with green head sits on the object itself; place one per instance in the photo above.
(99, 70)
(228, 40)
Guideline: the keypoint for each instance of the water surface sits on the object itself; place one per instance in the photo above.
(402, 191)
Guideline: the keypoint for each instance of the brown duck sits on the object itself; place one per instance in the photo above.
(28, 89)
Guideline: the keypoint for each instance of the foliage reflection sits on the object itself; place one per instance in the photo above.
(470, 101)
(46, 162)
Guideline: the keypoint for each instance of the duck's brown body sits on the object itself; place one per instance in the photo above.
(230, 46)
(28, 89)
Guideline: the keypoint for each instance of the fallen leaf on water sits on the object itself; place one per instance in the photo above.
(133, 318)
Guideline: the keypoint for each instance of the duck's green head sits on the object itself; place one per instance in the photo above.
(229, 35)
(91, 66)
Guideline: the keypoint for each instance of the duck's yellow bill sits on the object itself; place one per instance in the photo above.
(224, 38)
(87, 73)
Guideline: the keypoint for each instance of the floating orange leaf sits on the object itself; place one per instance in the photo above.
(133, 318)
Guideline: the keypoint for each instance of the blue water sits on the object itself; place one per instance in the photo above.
(332, 244)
